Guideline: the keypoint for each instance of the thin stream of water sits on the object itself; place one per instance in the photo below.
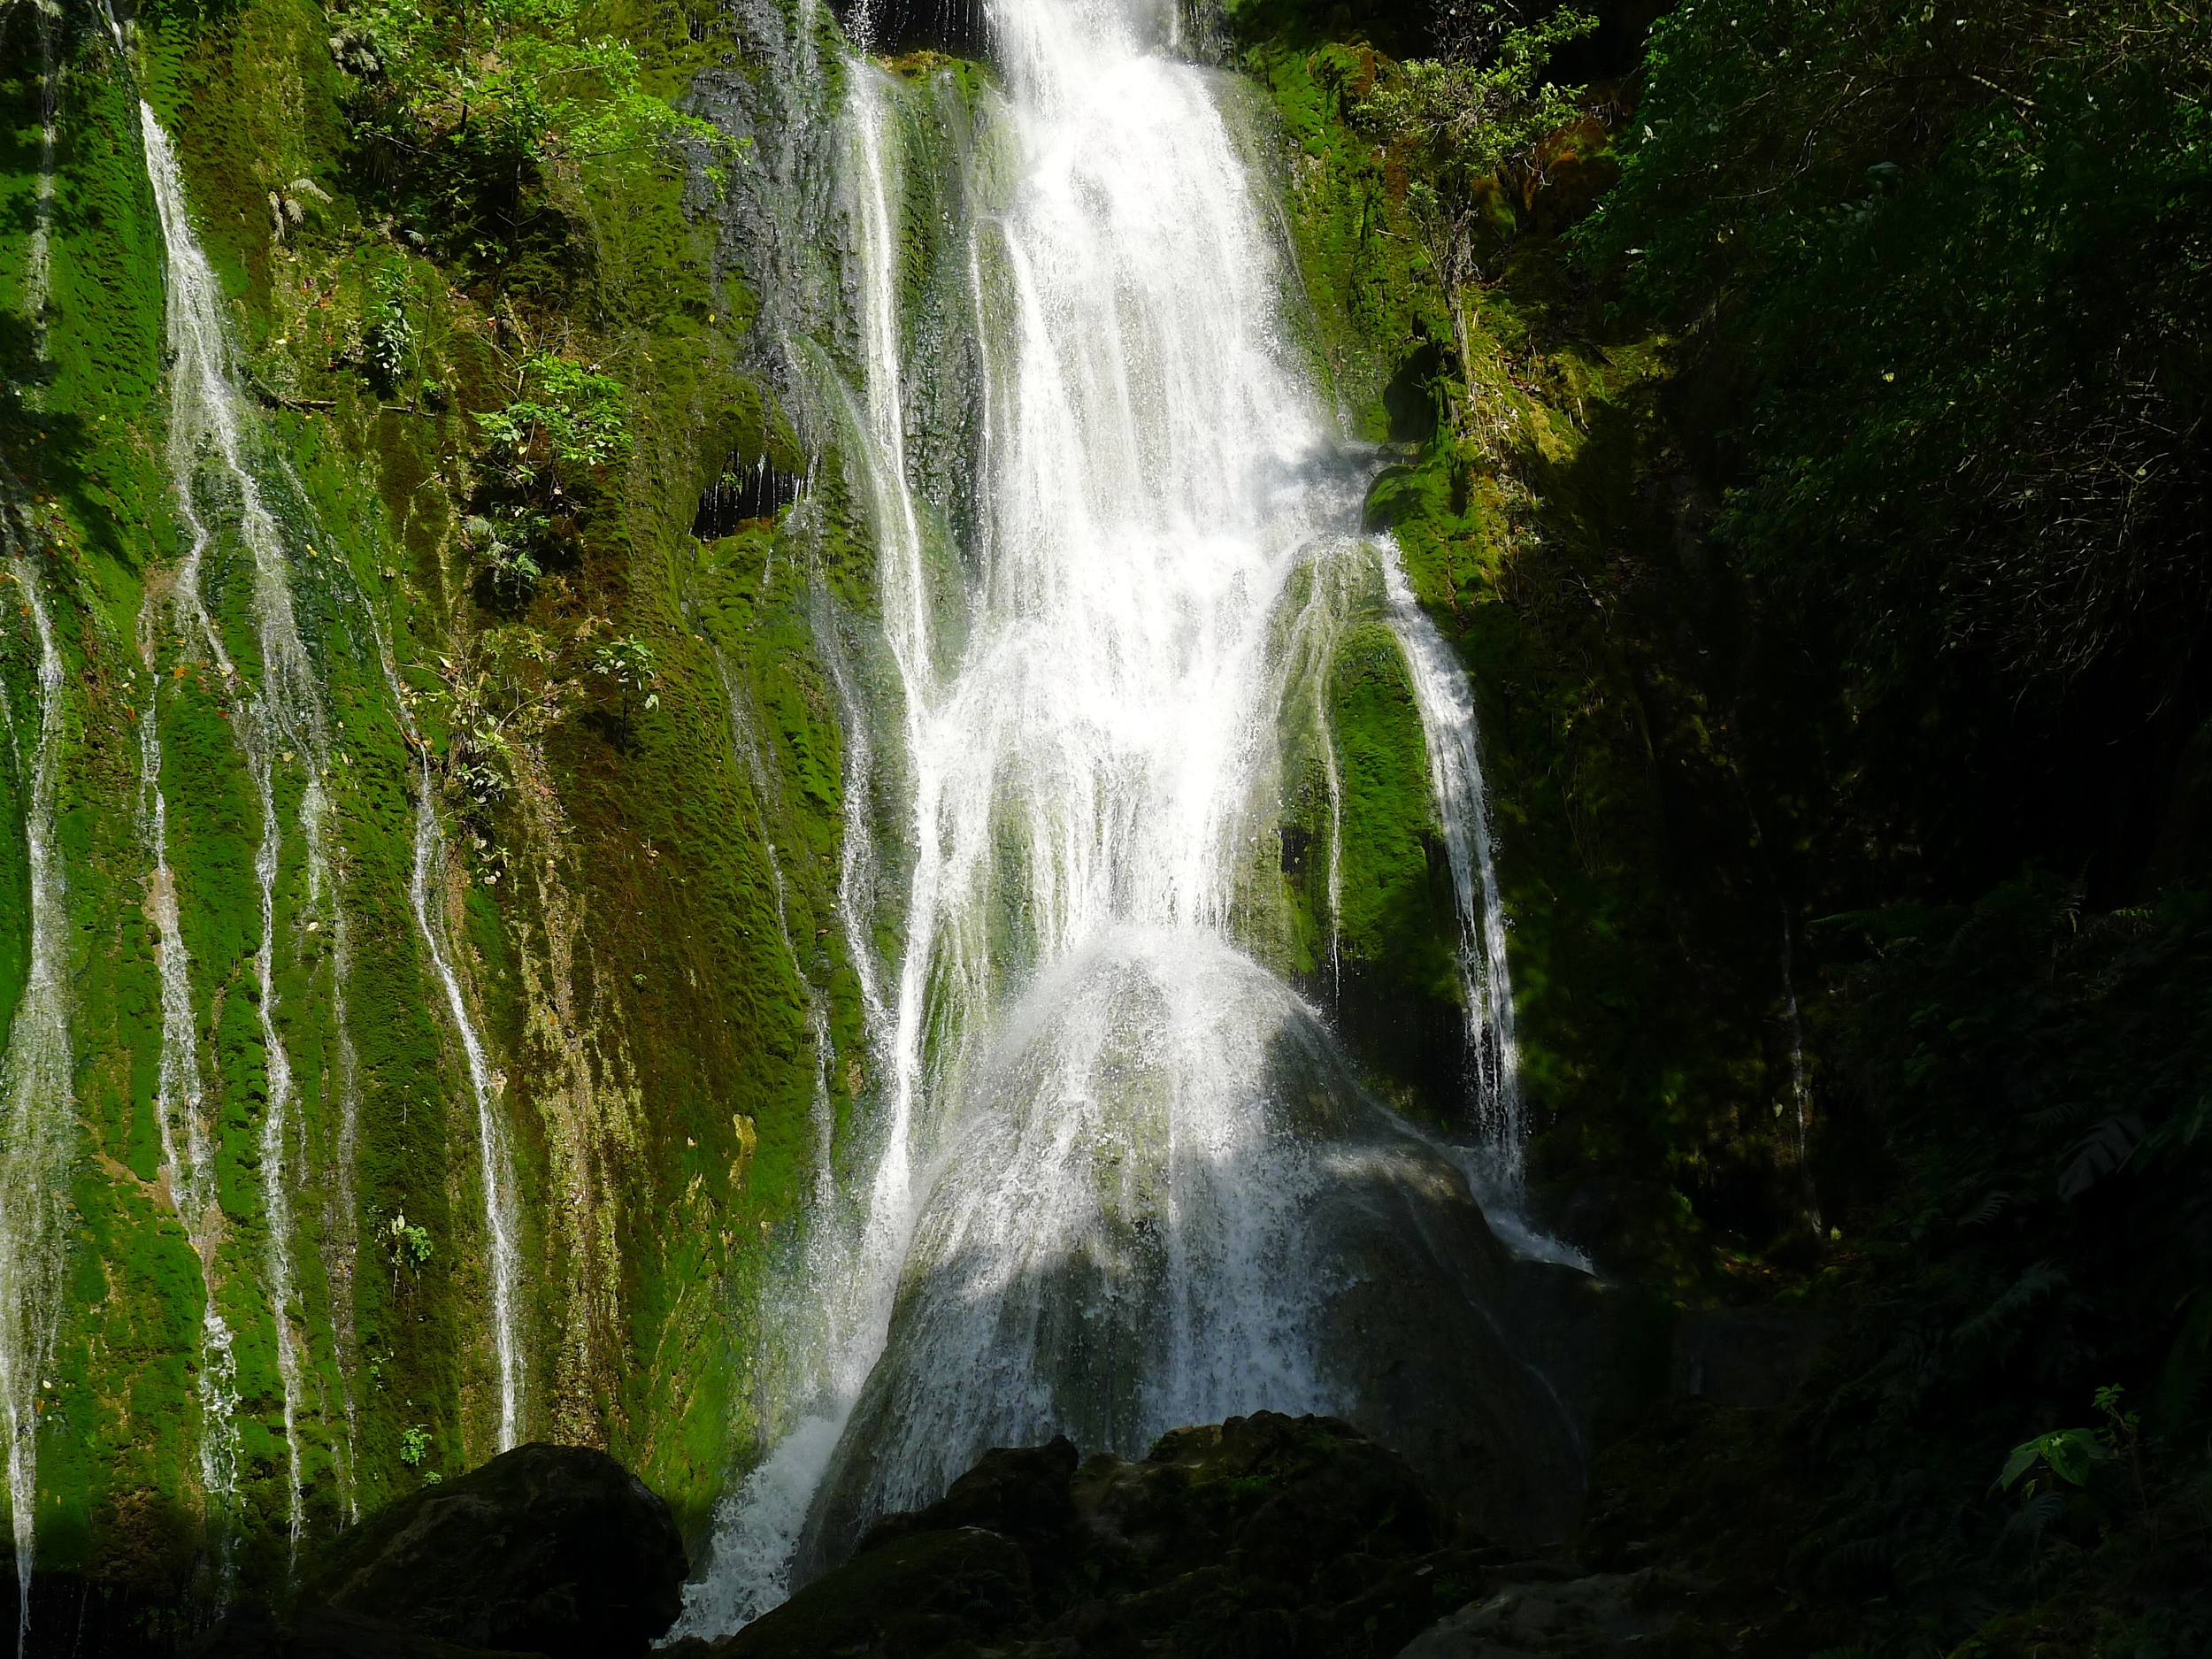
(283, 725)
(37, 1131)
(188, 1155)
(38, 264)
(496, 1163)
(288, 726)
(1447, 705)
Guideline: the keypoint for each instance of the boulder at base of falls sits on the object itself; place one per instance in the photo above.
(1606, 1615)
(553, 1550)
(251, 1632)
(1268, 1537)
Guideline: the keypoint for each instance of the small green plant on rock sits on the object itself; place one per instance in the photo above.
(630, 665)
(389, 337)
(505, 551)
(410, 1246)
(1476, 119)
(567, 420)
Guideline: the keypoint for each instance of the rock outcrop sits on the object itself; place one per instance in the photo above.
(553, 1550)
(1267, 1536)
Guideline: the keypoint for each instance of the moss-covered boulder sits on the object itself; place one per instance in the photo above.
(554, 1549)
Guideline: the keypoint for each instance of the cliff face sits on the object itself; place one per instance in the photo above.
(450, 788)
(600, 979)
(453, 779)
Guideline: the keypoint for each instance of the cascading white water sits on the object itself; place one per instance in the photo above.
(1125, 1179)
(1447, 705)
(1080, 784)
(38, 1127)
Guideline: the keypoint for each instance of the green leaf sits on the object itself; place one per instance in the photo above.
(2067, 1453)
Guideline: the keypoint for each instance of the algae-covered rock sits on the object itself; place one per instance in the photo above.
(554, 1549)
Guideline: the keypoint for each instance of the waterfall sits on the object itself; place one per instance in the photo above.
(1447, 705)
(36, 1132)
(1123, 1178)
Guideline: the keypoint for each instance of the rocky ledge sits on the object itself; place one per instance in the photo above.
(555, 1551)
(1266, 1537)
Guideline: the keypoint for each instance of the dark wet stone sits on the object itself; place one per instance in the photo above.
(924, 1593)
(1263, 1536)
(1019, 1491)
(251, 1632)
(551, 1549)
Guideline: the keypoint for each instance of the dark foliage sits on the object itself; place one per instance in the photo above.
(2041, 1080)
(1941, 276)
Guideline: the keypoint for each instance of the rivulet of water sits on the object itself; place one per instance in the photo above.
(38, 262)
(187, 1154)
(284, 724)
(1447, 705)
(496, 1162)
(37, 1118)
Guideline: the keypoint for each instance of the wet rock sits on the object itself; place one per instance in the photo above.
(1285, 1494)
(1265, 1536)
(320, 1632)
(551, 1549)
(1019, 1491)
(1591, 1617)
(926, 1593)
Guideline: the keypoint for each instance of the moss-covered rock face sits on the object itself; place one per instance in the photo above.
(281, 1297)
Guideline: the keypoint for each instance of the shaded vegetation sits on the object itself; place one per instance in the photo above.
(1819, 505)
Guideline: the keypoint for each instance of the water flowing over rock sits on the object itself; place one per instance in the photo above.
(1168, 1197)
(1120, 1177)
(287, 724)
(37, 1135)
(989, 1083)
